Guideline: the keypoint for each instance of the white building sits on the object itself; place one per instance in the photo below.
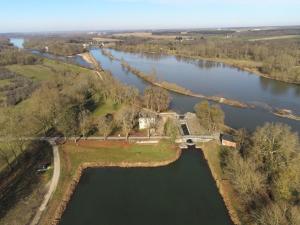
(146, 122)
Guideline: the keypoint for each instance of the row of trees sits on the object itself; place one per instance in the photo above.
(265, 172)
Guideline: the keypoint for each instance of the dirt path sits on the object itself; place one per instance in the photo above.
(53, 185)
(90, 59)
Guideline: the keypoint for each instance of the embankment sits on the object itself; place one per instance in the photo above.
(221, 185)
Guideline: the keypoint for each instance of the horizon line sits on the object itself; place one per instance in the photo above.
(147, 29)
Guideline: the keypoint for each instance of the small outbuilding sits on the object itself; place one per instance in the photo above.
(227, 140)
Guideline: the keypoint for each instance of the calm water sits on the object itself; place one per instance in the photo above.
(17, 42)
(212, 79)
(183, 193)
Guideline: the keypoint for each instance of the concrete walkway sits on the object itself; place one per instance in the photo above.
(53, 185)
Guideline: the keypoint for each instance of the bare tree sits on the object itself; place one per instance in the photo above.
(156, 98)
(127, 119)
(85, 123)
(245, 177)
(105, 126)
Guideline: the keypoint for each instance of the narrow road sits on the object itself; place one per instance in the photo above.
(53, 185)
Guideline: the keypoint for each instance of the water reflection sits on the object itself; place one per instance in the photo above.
(279, 88)
(182, 193)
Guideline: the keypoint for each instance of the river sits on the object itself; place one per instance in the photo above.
(211, 78)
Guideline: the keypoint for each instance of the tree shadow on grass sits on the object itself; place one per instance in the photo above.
(23, 180)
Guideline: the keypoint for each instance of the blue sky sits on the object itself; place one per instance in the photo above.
(60, 15)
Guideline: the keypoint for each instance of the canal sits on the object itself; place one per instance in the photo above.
(181, 193)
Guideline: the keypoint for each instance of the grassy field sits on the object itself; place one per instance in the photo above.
(47, 70)
(5, 82)
(107, 107)
(73, 155)
(114, 152)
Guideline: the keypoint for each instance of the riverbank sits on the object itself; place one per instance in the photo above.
(90, 154)
(87, 56)
(211, 154)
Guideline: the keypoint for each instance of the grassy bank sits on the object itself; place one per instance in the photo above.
(97, 153)
(211, 151)
(106, 107)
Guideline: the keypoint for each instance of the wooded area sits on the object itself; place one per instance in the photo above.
(265, 173)
(57, 45)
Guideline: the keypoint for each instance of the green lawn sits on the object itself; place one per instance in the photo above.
(105, 108)
(116, 152)
(4, 82)
(47, 70)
